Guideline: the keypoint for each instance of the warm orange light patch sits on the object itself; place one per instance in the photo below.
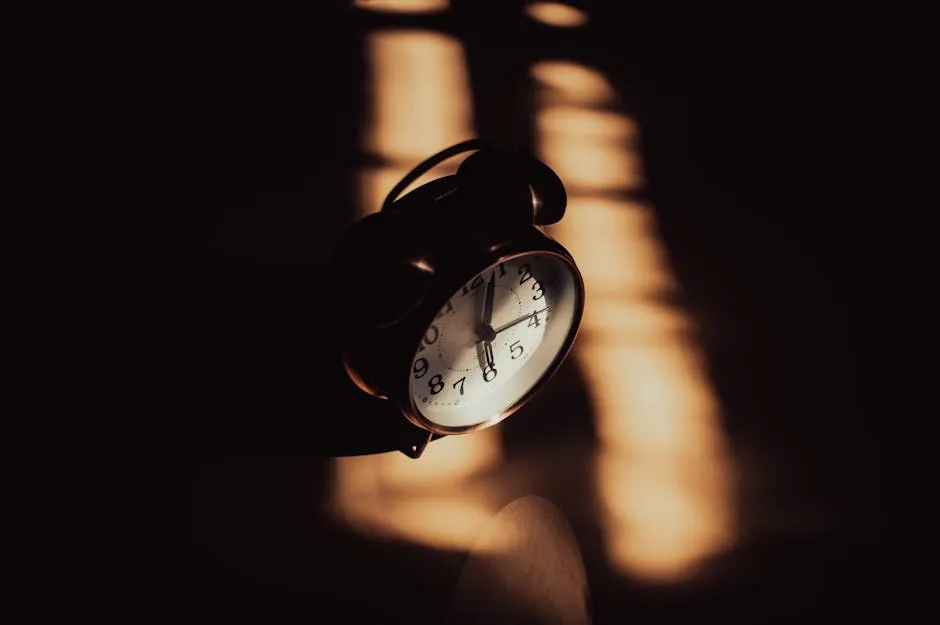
(568, 83)
(403, 6)
(663, 473)
(617, 240)
(590, 147)
(439, 500)
(556, 14)
(419, 104)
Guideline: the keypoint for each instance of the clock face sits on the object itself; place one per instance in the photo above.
(494, 341)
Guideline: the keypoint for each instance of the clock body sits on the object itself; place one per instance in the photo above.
(453, 303)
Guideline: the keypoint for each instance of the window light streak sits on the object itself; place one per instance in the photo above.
(420, 94)
(402, 6)
(616, 321)
(556, 14)
(637, 270)
(588, 146)
(439, 500)
(419, 104)
(662, 471)
(567, 83)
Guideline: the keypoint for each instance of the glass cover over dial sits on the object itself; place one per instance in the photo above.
(494, 341)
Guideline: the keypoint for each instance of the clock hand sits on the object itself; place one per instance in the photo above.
(485, 354)
(488, 301)
(485, 329)
(506, 326)
(481, 354)
(486, 334)
(488, 353)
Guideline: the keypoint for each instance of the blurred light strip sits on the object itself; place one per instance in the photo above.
(419, 99)
(557, 14)
(402, 6)
(663, 474)
(419, 103)
(440, 500)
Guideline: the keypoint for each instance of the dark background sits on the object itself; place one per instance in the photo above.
(185, 170)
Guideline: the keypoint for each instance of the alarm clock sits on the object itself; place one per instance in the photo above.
(452, 302)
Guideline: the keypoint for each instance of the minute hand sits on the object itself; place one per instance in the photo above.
(506, 326)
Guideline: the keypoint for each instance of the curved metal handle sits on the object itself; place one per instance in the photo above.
(428, 164)
(549, 201)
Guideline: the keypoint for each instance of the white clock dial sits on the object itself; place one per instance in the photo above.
(494, 340)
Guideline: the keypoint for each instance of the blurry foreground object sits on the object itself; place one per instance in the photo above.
(525, 568)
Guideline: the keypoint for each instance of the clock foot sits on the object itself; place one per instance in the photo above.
(415, 451)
